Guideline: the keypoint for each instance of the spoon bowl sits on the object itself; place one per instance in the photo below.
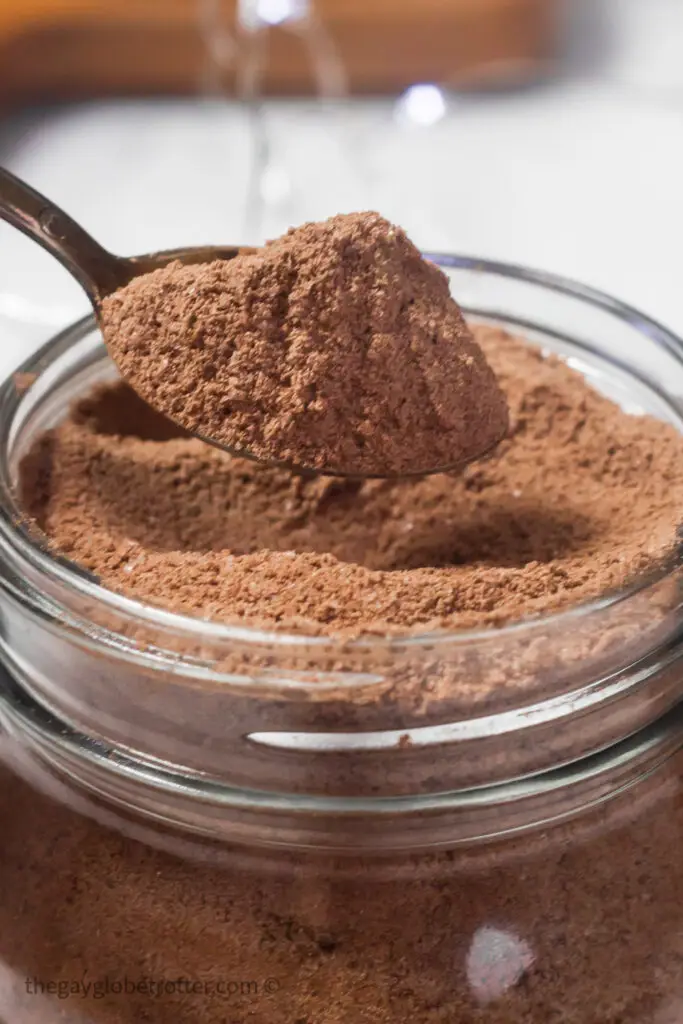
(342, 474)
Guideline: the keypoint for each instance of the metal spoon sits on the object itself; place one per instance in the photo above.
(100, 273)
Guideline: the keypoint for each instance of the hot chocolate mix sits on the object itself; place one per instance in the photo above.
(578, 925)
(579, 500)
(337, 348)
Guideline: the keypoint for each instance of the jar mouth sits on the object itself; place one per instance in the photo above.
(31, 547)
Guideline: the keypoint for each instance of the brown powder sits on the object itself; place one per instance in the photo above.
(23, 381)
(527, 931)
(579, 500)
(336, 347)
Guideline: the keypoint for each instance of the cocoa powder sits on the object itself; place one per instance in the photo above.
(525, 931)
(23, 381)
(578, 501)
(337, 348)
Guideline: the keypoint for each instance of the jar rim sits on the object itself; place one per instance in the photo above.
(90, 775)
(24, 540)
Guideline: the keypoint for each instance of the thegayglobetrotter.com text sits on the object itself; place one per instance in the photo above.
(154, 988)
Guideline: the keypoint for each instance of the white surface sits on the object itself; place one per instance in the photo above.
(582, 177)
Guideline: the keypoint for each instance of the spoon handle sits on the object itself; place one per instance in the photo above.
(98, 271)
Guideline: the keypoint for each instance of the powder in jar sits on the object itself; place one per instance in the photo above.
(336, 347)
(579, 500)
(526, 932)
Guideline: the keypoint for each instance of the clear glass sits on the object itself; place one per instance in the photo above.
(348, 831)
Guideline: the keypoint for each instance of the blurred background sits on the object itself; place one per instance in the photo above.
(545, 132)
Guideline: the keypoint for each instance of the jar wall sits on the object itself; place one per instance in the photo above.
(582, 923)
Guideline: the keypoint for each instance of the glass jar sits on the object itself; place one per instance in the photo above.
(208, 824)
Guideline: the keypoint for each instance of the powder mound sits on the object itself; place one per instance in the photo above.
(337, 347)
(578, 501)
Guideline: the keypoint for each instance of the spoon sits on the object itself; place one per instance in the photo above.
(100, 273)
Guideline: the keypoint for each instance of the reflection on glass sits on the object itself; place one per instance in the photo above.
(496, 962)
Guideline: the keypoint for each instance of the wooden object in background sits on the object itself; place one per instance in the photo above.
(66, 49)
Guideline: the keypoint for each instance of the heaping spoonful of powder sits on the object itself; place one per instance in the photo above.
(336, 349)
